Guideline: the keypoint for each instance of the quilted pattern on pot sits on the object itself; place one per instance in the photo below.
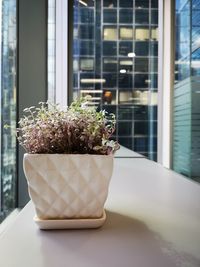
(68, 186)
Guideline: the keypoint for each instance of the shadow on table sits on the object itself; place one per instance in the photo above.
(121, 242)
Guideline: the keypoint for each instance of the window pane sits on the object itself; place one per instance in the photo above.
(86, 48)
(154, 34)
(126, 64)
(86, 15)
(141, 80)
(8, 92)
(110, 64)
(142, 16)
(110, 16)
(110, 33)
(125, 81)
(125, 48)
(154, 17)
(142, 4)
(141, 64)
(126, 16)
(141, 48)
(109, 48)
(141, 34)
(123, 56)
(110, 3)
(125, 3)
(126, 33)
(86, 32)
(87, 64)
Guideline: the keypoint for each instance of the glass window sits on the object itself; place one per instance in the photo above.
(141, 16)
(126, 16)
(109, 97)
(141, 64)
(110, 64)
(125, 3)
(109, 48)
(154, 3)
(141, 48)
(86, 64)
(110, 16)
(110, 33)
(75, 64)
(154, 34)
(141, 81)
(153, 64)
(86, 32)
(110, 3)
(86, 48)
(110, 80)
(125, 128)
(123, 55)
(126, 97)
(125, 48)
(141, 34)
(126, 33)
(86, 80)
(154, 17)
(154, 48)
(125, 65)
(86, 15)
(87, 2)
(142, 4)
(125, 81)
(8, 178)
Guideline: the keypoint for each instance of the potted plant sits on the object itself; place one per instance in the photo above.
(69, 162)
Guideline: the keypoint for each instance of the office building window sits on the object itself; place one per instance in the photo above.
(8, 179)
(115, 61)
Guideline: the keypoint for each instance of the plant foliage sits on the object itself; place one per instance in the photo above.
(78, 129)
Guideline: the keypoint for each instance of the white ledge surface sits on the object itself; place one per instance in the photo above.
(153, 220)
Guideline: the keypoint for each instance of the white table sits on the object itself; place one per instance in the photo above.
(153, 220)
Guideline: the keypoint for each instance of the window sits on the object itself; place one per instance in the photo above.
(117, 51)
(110, 33)
(8, 92)
(126, 16)
(110, 16)
(141, 34)
(126, 33)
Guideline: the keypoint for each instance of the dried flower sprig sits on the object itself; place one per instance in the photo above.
(78, 129)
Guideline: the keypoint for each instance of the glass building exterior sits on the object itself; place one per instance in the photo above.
(8, 107)
(115, 60)
(186, 114)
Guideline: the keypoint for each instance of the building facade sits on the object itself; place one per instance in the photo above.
(115, 60)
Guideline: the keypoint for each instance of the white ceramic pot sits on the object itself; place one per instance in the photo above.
(68, 185)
